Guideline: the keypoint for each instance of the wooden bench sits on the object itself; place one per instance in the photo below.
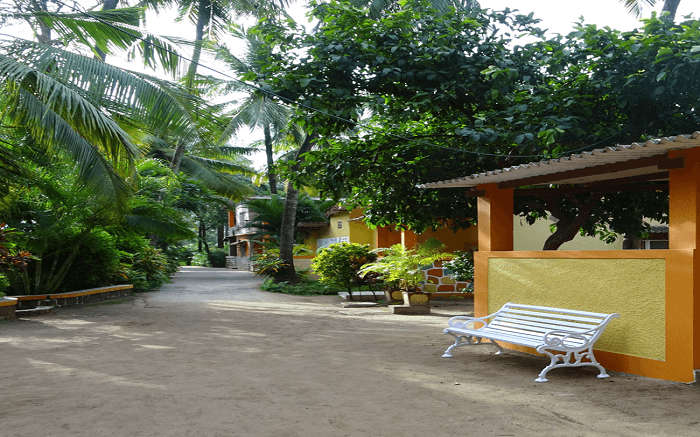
(566, 336)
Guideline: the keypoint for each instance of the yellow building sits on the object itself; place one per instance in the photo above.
(348, 226)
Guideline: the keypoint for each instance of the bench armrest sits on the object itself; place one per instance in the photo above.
(461, 322)
(557, 338)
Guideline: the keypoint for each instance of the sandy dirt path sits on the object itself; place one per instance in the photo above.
(212, 355)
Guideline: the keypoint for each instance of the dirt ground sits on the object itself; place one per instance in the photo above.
(211, 355)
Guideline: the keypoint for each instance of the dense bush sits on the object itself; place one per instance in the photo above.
(217, 257)
(338, 264)
(148, 269)
(4, 284)
(97, 263)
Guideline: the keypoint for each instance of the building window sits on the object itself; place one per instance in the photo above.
(655, 244)
(340, 224)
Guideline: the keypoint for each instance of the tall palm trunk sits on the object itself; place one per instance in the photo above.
(203, 17)
(671, 6)
(288, 227)
(271, 176)
(107, 5)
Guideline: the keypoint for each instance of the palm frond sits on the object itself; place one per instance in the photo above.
(115, 29)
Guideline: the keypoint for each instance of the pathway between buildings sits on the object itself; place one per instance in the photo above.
(212, 355)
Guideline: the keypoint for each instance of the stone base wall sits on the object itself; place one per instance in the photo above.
(439, 278)
(7, 311)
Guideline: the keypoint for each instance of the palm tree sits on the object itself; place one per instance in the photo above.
(634, 7)
(62, 102)
(258, 109)
(210, 17)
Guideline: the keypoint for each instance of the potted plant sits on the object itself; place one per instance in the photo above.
(402, 270)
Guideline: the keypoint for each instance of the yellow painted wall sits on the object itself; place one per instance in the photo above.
(462, 239)
(532, 237)
(634, 288)
(360, 233)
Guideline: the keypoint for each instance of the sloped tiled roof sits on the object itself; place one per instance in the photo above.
(593, 158)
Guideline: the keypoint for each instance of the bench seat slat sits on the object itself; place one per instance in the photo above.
(551, 315)
(534, 321)
(538, 337)
(558, 310)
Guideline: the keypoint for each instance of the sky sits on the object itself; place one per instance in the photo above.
(558, 16)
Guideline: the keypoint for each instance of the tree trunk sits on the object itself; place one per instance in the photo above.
(203, 10)
(271, 177)
(203, 15)
(199, 238)
(288, 227)
(671, 6)
(287, 235)
(220, 236)
(568, 227)
(107, 5)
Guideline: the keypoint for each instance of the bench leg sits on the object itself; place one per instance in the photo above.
(459, 341)
(570, 359)
(466, 340)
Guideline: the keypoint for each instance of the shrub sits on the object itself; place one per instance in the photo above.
(267, 262)
(97, 263)
(403, 268)
(339, 264)
(149, 269)
(462, 266)
(305, 287)
(4, 284)
(217, 257)
(200, 259)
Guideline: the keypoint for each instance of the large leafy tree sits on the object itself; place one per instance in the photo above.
(460, 96)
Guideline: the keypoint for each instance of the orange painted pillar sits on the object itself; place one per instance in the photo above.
(684, 233)
(409, 239)
(495, 218)
(495, 227)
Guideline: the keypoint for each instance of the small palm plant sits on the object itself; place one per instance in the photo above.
(402, 268)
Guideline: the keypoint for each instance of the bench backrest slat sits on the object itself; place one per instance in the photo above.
(558, 310)
(550, 323)
(553, 315)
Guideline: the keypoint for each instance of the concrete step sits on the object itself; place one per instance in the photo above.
(362, 296)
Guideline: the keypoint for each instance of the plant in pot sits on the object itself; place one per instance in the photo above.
(401, 270)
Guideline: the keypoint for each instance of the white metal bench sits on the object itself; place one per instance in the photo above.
(566, 336)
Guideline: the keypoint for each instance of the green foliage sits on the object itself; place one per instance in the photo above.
(267, 262)
(403, 268)
(97, 263)
(149, 269)
(462, 96)
(339, 264)
(461, 265)
(200, 259)
(301, 288)
(268, 215)
(4, 284)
